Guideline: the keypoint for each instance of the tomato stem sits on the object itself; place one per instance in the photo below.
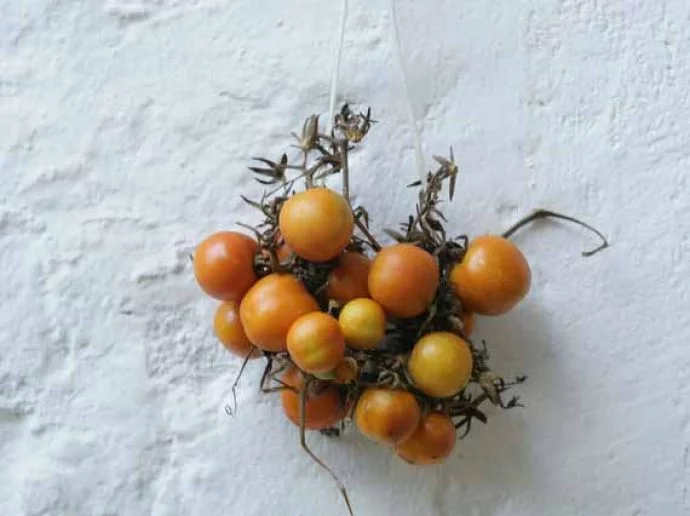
(233, 411)
(370, 238)
(312, 455)
(345, 167)
(545, 214)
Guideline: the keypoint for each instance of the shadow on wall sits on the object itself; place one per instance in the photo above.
(496, 460)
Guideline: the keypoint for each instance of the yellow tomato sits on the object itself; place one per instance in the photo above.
(363, 323)
(440, 364)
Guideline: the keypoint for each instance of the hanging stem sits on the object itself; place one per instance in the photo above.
(336, 67)
(416, 137)
(547, 214)
(233, 411)
(303, 442)
(345, 167)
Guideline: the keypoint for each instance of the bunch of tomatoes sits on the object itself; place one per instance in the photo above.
(328, 336)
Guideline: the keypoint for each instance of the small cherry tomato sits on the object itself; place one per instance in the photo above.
(363, 323)
(224, 265)
(387, 416)
(315, 343)
(324, 405)
(228, 328)
(403, 280)
(350, 279)
(440, 364)
(492, 277)
(317, 224)
(270, 308)
(432, 442)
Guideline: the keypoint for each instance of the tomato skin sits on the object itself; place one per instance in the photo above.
(317, 224)
(387, 416)
(224, 265)
(315, 343)
(493, 276)
(228, 329)
(350, 279)
(323, 409)
(270, 308)
(440, 364)
(403, 279)
(431, 443)
(363, 323)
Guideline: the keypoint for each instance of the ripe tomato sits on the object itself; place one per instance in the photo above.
(363, 323)
(440, 364)
(224, 265)
(323, 408)
(317, 224)
(350, 279)
(315, 343)
(387, 416)
(228, 328)
(403, 280)
(467, 319)
(492, 277)
(271, 306)
(432, 441)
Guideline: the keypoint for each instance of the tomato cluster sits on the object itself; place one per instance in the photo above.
(326, 337)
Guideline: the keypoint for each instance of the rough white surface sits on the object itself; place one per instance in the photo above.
(125, 129)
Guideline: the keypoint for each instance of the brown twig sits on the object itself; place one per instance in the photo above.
(228, 410)
(303, 443)
(543, 214)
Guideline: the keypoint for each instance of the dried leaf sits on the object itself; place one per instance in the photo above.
(395, 235)
(251, 203)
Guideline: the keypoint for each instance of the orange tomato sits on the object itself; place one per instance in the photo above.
(270, 308)
(440, 364)
(350, 279)
(315, 343)
(224, 265)
(228, 328)
(432, 441)
(467, 319)
(363, 323)
(317, 224)
(492, 277)
(323, 407)
(403, 280)
(387, 416)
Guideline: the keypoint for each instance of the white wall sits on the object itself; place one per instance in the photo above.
(125, 130)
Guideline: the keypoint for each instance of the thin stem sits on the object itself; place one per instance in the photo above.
(336, 68)
(249, 354)
(344, 163)
(417, 139)
(543, 214)
(370, 238)
(303, 442)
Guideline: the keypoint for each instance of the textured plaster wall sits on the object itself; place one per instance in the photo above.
(125, 129)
